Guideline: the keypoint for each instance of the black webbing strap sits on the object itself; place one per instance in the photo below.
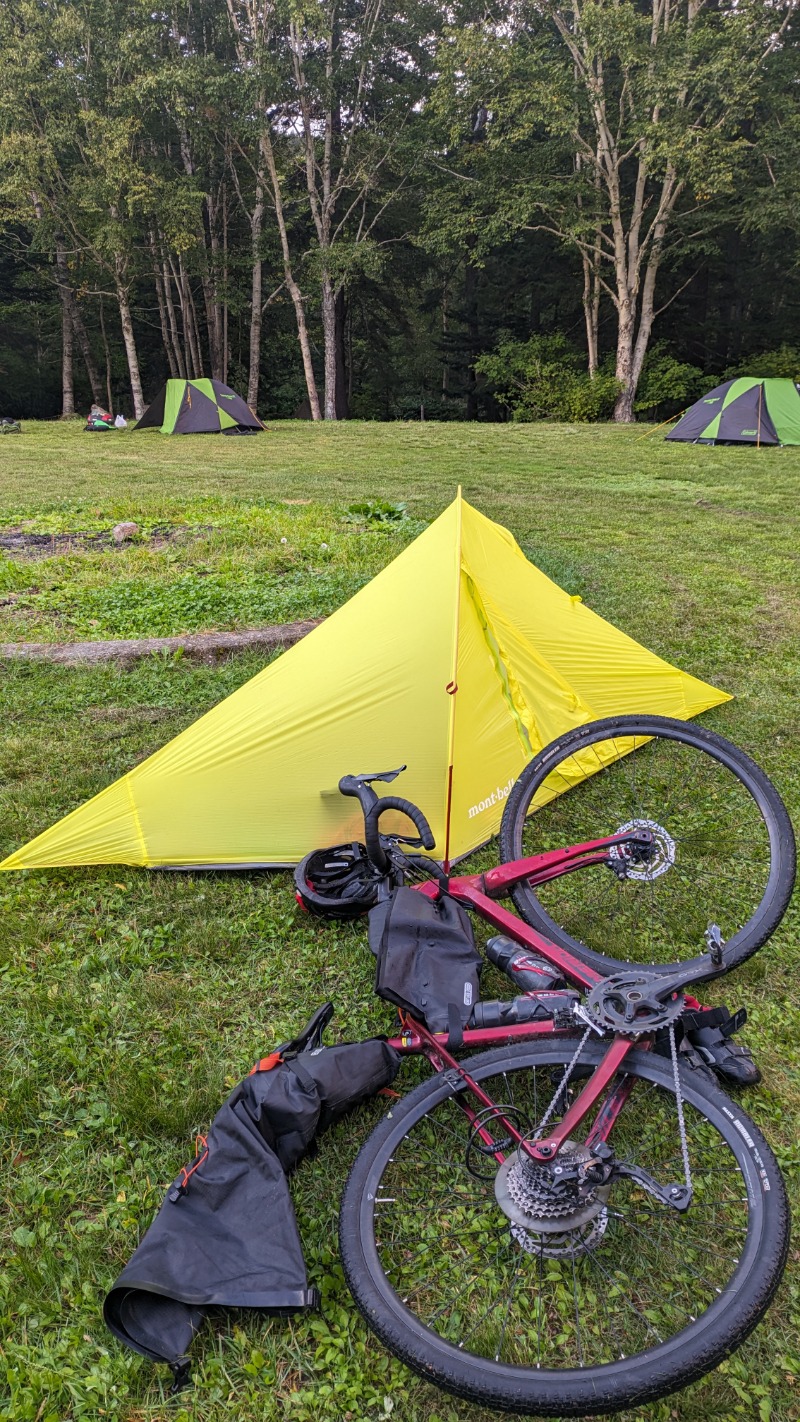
(727, 1022)
(455, 1033)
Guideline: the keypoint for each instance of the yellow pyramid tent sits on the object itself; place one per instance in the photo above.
(460, 660)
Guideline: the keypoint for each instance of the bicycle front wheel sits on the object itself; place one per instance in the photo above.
(615, 1304)
(723, 848)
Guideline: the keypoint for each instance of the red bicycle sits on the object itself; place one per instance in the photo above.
(578, 1220)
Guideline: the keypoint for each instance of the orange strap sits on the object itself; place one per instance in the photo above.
(200, 1153)
(267, 1063)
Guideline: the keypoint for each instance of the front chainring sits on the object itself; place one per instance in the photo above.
(627, 1003)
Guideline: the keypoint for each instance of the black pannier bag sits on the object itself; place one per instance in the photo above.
(427, 960)
(226, 1234)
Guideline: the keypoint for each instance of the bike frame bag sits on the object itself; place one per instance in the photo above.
(427, 960)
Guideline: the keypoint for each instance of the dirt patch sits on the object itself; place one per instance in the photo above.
(197, 646)
(16, 543)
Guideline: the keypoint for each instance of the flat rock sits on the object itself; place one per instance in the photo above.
(198, 646)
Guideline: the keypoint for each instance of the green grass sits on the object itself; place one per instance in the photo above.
(131, 1002)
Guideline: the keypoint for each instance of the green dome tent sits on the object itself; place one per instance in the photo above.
(743, 411)
(199, 407)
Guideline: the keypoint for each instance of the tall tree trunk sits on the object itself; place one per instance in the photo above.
(206, 280)
(626, 330)
(194, 327)
(128, 337)
(591, 308)
(217, 270)
(65, 298)
(162, 311)
(256, 315)
(67, 388)
(637, 299)
(192, 354)
(162, 316)
(87, 352)
(107, 354)
(291, 285)
(329, 335)
(591, 280)
(225, 284)
(174, 337)
(342, 382)
(255, 19)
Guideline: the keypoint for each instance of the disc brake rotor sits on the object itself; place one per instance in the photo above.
(661, 856)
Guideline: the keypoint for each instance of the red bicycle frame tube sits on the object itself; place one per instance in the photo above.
(469, 891)
(547, 1149)
(480, 892)
(541, 867)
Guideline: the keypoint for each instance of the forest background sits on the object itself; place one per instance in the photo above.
(398, 209)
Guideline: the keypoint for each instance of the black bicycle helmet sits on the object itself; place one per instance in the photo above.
(339, 882)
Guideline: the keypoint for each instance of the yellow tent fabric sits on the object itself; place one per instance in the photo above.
(461, 660)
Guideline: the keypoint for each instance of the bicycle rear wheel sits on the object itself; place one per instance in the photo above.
(615, 1310)
(723, 844)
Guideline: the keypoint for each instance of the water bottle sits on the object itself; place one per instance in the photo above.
(505, 1014)
(527, 973)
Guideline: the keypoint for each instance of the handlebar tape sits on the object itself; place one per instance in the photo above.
(405, 807)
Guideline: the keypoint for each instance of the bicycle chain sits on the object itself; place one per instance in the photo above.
(679, 1103)
(678, 1099)
(562, 1084)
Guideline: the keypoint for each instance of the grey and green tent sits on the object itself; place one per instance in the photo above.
(743, 411)
(199, 407)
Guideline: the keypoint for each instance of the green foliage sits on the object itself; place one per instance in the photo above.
(783, 363)
(543, 379)
(376, 513)
(667, 383)
(12, 577)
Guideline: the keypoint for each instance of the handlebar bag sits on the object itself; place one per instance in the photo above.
(427, 960)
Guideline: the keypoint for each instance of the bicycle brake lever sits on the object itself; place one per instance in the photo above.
(383, 775)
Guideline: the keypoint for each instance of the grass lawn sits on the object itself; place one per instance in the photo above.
(132, 1002)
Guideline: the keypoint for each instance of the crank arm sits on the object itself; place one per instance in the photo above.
(666, 987)
(678, 1197)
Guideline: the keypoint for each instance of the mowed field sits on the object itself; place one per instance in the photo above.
(131, 1002)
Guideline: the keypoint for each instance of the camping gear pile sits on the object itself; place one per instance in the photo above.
(199, 407)
(226, 1234)
(97, 420)
(743, 411)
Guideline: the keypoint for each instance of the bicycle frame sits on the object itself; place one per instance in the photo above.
(479, 893)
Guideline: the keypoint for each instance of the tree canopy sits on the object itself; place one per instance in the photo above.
(544, 208)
